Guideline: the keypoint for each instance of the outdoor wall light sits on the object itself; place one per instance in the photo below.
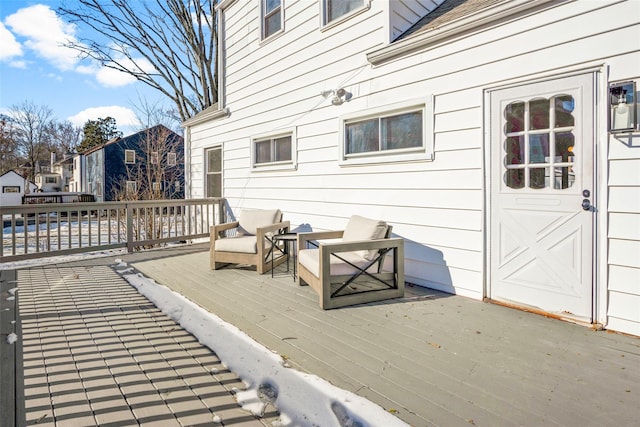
(339, 95)
(622, 107)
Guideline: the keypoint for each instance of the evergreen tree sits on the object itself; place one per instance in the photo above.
(97, 132)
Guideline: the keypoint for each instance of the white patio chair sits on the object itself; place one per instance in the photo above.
(355, 268)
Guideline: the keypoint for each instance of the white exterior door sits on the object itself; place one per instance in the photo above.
(541, 195)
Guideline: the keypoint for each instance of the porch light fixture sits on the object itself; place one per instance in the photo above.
(622, 107)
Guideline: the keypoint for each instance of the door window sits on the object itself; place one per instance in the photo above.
(538, 143)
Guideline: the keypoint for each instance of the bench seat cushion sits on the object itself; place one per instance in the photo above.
(243, 244)
(309, 258)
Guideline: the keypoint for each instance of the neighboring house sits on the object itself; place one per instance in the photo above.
(48, 182)
(479, 129)
(12, 188)
(64, 169)
(150, 161)
(76, 182)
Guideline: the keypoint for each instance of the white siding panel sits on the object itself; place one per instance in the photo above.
(624, 199)
(624, 226)
(624, 252)
(624, 306)
(624, 279)
(624, 146)
(405, 13)
(624, 172)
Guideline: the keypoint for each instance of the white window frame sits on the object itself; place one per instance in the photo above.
(127, 154)
(263, 16)
(156, 186)
(172, 159)
(154, 158)
(131, 187)
(50, 180)
(423, 153)
(282, 165)
(325, 24)
(205, 189)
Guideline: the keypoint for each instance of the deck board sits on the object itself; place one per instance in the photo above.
(431, 358)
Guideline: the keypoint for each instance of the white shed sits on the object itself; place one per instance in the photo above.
(480, 129)
(12, 186)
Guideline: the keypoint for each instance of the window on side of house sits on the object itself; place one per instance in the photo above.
(10, 189)
(99, 189)
(271, 17)
(400, 132)
(129, 157)
(50, 179)
(213, 157)
(336, 10)
(154, 157)
(132, 187)
(274, 151)
(171, 159)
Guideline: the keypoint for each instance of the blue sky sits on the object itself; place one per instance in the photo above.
(34, 66)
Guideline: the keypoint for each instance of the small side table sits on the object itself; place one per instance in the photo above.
(290, 240)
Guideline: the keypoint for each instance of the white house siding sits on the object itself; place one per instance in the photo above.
(404, 13)
(13, 179)
(437, 206)
(624, 232)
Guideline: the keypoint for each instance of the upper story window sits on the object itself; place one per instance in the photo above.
(154, 157)
(335, 10)
(50, 179)
(171, 159)
(276, 151)
(129, 157)
(399, 132)
(271, 17)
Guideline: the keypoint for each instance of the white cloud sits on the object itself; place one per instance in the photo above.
(109, 77)
(9, 46)
(45, 34)
(125, 117)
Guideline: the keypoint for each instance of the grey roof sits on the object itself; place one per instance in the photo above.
(448, 11)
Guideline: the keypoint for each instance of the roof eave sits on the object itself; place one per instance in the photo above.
(480, 19)
(211, 113)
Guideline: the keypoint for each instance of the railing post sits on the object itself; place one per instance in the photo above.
(129, 210)
(221, 211)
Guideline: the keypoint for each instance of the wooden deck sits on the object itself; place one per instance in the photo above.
(430, 358)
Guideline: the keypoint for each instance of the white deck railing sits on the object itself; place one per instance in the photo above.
(38, 230)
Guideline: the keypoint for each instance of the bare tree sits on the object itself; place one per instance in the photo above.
(31, 123)
(64, 137)
(178, 38)
(8, 155)
(159, 176)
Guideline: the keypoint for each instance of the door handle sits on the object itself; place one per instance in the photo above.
(586, 205)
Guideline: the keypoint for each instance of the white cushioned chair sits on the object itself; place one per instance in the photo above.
(248, 240)
(360, 264)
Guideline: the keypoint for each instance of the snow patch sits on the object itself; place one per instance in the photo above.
(12, 338)
(302, 399)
